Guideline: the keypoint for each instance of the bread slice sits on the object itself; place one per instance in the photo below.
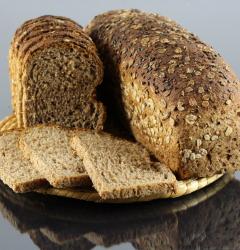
(55, 69)
(179, 97)
(48, 148)
(119, 168)
(16, 171)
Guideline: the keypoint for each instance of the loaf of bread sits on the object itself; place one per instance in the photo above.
(55, 69)
(48, 149)
(177, 95)
(121, 169)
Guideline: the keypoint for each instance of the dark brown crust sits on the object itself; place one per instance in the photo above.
(51, 31)
(28, 27)
(195, 92)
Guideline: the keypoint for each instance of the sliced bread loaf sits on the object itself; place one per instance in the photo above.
(180, 99)
(49, 151)
(55, 69)
(16, 171)
(119, 168)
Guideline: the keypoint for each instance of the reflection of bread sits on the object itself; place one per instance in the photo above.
(19, 217)
(157, 224)
(163, 240)
(213, 224)
(164, 227)
(43, 242)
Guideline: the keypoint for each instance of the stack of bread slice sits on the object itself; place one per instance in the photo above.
(55, 69)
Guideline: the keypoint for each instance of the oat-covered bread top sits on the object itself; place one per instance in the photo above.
(179, 97)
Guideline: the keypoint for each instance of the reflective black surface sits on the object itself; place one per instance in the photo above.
(207, 219)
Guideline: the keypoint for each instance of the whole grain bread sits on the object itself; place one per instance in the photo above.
(48, 149)
(55, 69)
(121, 169)
(16, 171)
(175, 93)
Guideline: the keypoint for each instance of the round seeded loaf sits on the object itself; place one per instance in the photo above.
(55, 69)
(175, 93)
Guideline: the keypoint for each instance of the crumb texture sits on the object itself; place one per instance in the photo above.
(119, 168)
(55, 70)
(174, 92)
(16, 171)
(49, 151)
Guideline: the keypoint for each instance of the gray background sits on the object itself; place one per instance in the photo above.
(216, 22)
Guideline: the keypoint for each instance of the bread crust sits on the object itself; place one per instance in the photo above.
(178, 96)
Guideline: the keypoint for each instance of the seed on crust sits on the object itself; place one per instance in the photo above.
(228, 102)
(188, 89)
(178, 50)
(180, 106)
(214, 137)
(200, 90)
(205, 104)
(210, 75)
(190, 119)
(192, 101)
(203, 151)
(199, 143)
(228, 131)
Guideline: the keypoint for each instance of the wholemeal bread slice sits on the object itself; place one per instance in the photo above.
(16, 171)
(55, 69)
(48, 148)
(119, 168)
(178, 96)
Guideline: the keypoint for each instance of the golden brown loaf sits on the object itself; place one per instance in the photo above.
(177, 95)
(55, 69)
